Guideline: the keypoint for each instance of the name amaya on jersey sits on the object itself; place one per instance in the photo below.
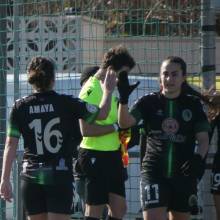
(41, 108)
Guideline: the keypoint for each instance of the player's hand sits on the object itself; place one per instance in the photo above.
(194, 167)
(124, 88)
(6, 191)
(110, 81)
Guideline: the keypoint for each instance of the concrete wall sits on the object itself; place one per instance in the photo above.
(75, 42)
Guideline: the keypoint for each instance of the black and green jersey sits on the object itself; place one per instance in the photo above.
(171, 126)
(48, 123)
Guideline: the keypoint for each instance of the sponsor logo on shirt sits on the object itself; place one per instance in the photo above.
(177, 138)
(170, 126)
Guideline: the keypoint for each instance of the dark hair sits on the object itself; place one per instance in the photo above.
(41, 72)
(117, 57)
(186, 88)
(87, 72)
(178, 60)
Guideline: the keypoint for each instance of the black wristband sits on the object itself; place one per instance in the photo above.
(123, 100)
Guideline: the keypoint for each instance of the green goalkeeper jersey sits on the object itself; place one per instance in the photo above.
(92, 93)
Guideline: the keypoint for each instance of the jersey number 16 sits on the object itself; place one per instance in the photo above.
(43, 137)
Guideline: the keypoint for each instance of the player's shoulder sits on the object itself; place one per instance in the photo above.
(150, 96)
(92, 85)
(192, 102)
(191, 98)
(65, 98)
(24, 100)
(147, 99)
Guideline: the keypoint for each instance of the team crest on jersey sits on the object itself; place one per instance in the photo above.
(170, 126)
(204, 107)
(91, 108)
(187, 115)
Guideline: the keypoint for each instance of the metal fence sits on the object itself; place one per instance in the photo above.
(75, 34)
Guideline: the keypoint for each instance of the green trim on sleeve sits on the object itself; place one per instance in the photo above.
(202, 126)
(13, 132)
(90, 118)
(136, 114)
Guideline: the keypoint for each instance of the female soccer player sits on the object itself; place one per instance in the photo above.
(47, 122)
(173, 121)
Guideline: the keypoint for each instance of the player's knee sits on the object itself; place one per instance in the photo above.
(118, 213)
(94, 211)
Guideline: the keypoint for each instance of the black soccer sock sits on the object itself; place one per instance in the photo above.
(90, 218)
(112, 218)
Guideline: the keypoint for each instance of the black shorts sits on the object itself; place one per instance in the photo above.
(174, 193)
(104, 174)
(46, 198)
(215, 177)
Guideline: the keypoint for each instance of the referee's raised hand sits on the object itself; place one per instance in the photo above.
(109, 82)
